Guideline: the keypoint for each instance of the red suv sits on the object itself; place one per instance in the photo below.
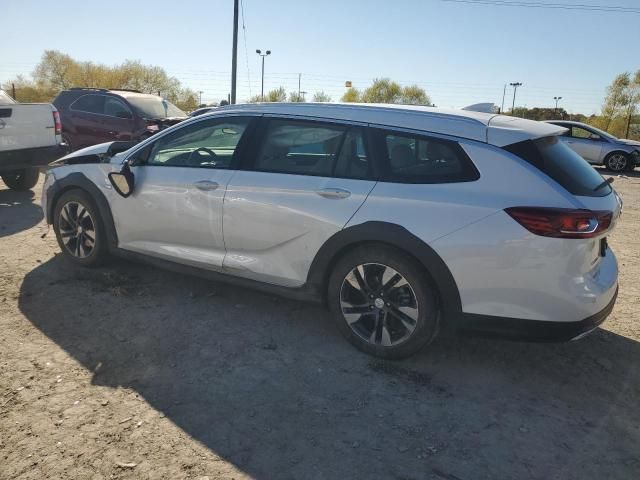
(93, 115)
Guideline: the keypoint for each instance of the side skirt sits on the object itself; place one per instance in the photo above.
(306, 293)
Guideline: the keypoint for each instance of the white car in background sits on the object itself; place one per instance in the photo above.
(599, 147)
(30, 138)
(402, 219)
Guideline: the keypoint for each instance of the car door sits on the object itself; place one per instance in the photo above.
(117, 120)
(301, 183)
(175, 211)
(585, 143)
(87, 118)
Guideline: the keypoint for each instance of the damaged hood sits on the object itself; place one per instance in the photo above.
(101, 153)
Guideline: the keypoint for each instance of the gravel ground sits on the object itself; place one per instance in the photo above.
(132, 372)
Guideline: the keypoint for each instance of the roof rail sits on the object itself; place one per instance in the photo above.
(106, 89)
(89, 88)
(125, 90)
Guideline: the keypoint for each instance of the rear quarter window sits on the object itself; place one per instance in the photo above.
(562, 164)
(414, 158)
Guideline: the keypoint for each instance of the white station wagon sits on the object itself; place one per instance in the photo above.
(403, 220)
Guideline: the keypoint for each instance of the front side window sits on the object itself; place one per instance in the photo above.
(409, 158)
(89, 104)
(302, 148)
(151, 107)
(115, 108)
(353, 161)
(206, 144)
(578, 132)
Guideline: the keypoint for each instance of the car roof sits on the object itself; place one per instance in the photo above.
(499, 130)
(567, 122)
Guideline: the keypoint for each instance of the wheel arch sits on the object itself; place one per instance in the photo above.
(393, 235)
(78, 181)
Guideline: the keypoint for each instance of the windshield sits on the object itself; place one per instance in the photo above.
(602, 133)
(155, 107)
(5, 99)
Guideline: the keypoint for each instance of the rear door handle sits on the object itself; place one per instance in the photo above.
(333, 193)
(206, 185)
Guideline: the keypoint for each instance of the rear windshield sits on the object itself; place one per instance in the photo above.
(562, 164)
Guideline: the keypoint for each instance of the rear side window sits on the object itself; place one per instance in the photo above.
(562, 164)
(89, 104)
(301, 148)
(409, 158)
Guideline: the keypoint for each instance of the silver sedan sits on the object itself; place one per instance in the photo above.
(599, 147)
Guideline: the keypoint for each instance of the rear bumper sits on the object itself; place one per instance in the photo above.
(531, 330)
(30, 157)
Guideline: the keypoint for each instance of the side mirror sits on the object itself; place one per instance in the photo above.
(123, 114)
(122, 181)
(593, 136)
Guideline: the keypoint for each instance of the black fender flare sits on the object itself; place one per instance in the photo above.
(80, 181)
(395, 236)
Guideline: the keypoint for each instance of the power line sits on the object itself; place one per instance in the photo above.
(558, 6)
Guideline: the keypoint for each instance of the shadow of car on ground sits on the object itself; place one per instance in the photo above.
(25, 212)
(269, 385)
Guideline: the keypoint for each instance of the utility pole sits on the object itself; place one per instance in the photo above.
(200, 92)
(557, 99)
(303, 93)
(13, 91)
(259, 52)
(504, 92)
(299, 78)
(234, 53)
(515, 86)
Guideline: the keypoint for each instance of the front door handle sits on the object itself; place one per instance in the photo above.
(206, 185)
(333, 193)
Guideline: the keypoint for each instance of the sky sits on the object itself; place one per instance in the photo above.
(460, 53)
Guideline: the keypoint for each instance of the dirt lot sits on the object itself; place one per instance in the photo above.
(132, 372)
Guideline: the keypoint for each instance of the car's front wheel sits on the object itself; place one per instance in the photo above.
(22, 180)
(79, 229)
(382, 302)
(617, 162)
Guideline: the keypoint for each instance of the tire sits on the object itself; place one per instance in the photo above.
(377, 326)
(22, 180)
(65, 139)
(617, 162)
(83, 242)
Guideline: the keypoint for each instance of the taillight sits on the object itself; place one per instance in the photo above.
(57, 123)
(561, 222)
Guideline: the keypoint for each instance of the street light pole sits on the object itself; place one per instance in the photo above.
(515, 86)
(234, 52)
(504, 92)
(200, 92)
(557, 99)
(259, 52)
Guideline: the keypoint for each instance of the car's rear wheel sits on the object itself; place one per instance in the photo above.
(22, 180)
(382, 302)
(79, 229)
(67, 141)
(617, 162)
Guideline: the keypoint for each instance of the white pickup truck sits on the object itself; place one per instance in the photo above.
(30, 137)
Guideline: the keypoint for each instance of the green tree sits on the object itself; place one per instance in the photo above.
(321, 97)
(296, 97)
(57, 71)
(384, 90)
(351, 95)
(616, 99)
